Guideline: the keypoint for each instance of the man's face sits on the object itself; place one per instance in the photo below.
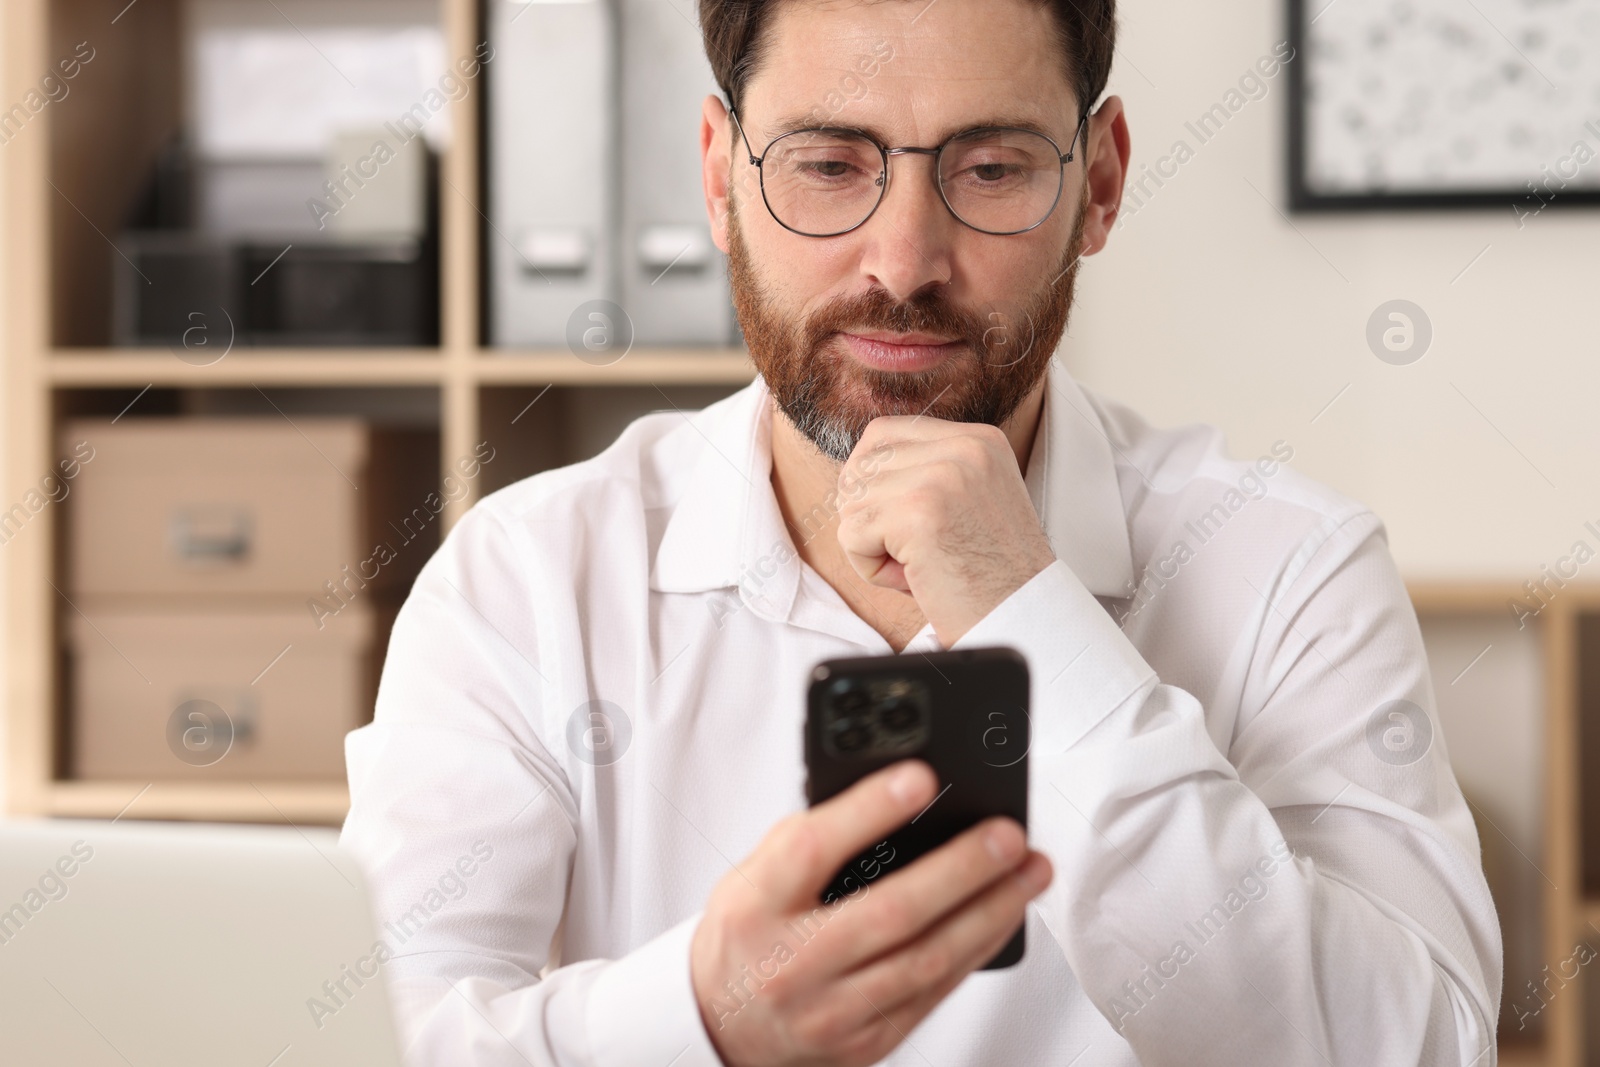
(1001, 301)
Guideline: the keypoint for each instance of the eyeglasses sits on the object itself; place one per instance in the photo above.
(825, 181)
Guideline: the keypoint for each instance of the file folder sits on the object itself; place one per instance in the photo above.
(674, 279)
(552, 165)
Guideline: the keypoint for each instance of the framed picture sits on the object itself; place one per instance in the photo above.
(1420, 104)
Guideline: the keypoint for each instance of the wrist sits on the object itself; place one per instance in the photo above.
(984, 593)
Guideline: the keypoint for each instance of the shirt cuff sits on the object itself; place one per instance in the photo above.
(642, 1007)
(1080, 664)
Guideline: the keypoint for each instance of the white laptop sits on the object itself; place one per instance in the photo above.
(186, 944)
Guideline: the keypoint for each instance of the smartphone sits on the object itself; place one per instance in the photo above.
(964, 712)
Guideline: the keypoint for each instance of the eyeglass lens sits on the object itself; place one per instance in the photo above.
(826, 182)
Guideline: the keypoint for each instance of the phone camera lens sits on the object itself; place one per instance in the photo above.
(850, 701)
(898, 715)
(853, 739)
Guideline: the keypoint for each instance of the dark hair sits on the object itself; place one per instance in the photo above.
(735, 39)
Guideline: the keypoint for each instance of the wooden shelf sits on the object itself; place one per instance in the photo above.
(1434, 597)
(1480, 596)
(93, 367)
(259, 802)
(87, 368)
(642, 366)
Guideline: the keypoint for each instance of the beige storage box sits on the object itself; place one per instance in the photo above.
(217, 695)
(216, 506)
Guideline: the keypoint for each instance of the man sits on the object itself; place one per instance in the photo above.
(1247, 843)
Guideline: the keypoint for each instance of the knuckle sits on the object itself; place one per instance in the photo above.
(893, 916)
(985, 435)
(923, 503)
(728, 898)
(826, 1027)
(1008, 906)
(930, 962)
(782, 988)
(962, 478)
(741, 924)
(780, 839)
(800, 842)
(975, 447)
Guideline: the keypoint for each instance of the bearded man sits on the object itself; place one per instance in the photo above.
(1245, 842)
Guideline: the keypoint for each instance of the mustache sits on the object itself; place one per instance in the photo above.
(928, 312)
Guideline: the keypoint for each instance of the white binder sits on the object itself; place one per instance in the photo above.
(674, 280)
(552, 165)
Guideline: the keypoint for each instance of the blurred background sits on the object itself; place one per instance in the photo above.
(289, 284)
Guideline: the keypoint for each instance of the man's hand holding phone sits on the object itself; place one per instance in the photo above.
(782, 979)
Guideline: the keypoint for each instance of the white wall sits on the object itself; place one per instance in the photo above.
(1210, 306)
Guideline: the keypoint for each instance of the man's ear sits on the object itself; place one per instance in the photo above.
(1107, 151)
(714, 165)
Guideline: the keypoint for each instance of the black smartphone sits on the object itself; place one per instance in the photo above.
(964, 712)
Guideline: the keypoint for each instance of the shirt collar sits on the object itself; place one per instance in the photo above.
(726, 529)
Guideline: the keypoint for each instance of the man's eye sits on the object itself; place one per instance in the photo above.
(830, 170)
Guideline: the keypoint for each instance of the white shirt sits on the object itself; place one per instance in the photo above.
(1240, 710)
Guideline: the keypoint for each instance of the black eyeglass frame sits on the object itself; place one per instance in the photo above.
(885, 152)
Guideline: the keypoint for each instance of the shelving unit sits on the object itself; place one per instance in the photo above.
(57, 218)
(1567, 631)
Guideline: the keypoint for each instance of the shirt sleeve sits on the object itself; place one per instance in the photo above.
(465, 826)
(1304, 890)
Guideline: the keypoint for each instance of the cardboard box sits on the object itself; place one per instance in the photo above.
(216, 507)
(219, 695)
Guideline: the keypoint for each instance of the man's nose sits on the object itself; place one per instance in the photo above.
(909, 236)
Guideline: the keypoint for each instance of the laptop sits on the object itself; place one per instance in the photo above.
(186, 945)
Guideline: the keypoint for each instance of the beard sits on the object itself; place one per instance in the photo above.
(830, 397)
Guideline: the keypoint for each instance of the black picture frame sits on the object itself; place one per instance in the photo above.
(1304, 199)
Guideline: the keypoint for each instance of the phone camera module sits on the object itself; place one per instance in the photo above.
(875, 718)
